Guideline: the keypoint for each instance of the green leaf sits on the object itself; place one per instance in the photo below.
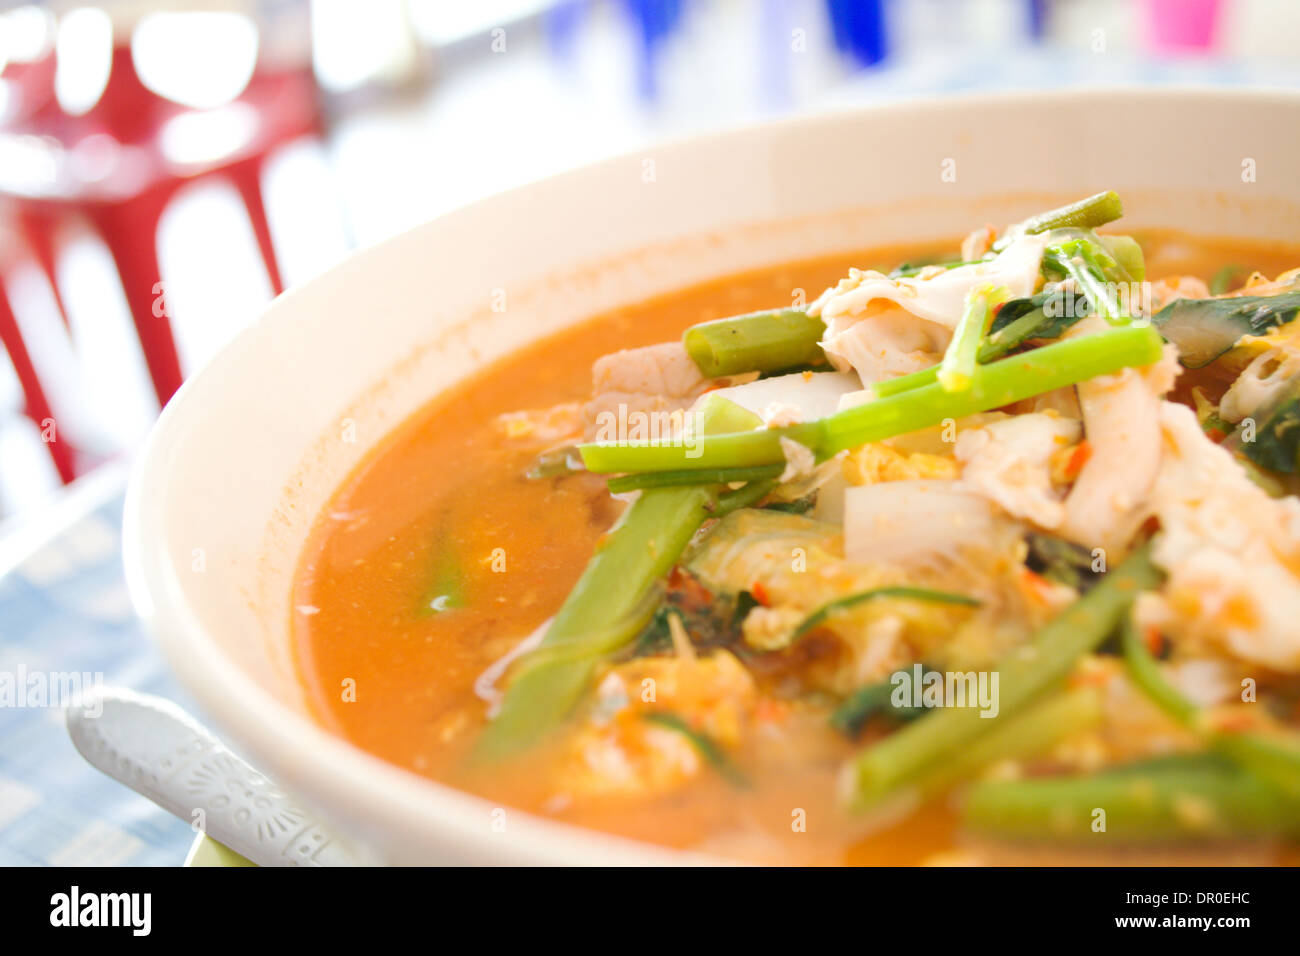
(446, 588)
(1044, 316)
(1205, 329)
(859, 708)
(711, 619)
(830, 608)
(1085, 214)
(1062, 561)
(1224, 278)
(1277, 433)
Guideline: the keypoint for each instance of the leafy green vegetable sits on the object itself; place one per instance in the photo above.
(712, 619)
(819, 617)
(1172, 799)
(1205, 329)
(1223, 279)
(901, 759)
(1096, 210)
(1095, 272)
(957, 370)
(1275, 438)
(1214, 426)
(1025, 735)
(746, 545)
(1046, 315)
(1274, 756)
(611, 603)
(999, 383)
(1144, 672)
(1043, 316)
(799, 506)
(1085, 214)
(446, 588)
(859, 708)
(1062, 561)
(670, 479)
(1127, 252)
(771, 341)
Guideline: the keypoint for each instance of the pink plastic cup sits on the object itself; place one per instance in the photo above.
(1182, 25)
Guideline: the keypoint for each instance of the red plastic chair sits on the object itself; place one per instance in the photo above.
(134, 181)
(36, 405)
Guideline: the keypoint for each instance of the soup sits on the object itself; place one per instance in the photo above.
(728, 708)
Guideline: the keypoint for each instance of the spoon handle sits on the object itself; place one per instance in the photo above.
(161, 752)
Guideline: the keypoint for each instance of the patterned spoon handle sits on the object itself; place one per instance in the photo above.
(161, 752)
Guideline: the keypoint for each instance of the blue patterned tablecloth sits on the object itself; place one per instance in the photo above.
(64, 609)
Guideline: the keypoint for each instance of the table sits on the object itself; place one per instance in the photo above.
(64, 610)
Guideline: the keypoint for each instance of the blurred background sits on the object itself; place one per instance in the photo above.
(165, 168)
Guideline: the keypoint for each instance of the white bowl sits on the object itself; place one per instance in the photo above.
(247, 453)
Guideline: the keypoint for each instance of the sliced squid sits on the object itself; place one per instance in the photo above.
(1121, 419)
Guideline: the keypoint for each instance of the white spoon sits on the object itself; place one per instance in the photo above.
(161, 752)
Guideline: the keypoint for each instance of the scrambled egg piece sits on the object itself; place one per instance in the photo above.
(616, 751)
(878, 462)
(1260, 284)
(770, 628)
(542, 424)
